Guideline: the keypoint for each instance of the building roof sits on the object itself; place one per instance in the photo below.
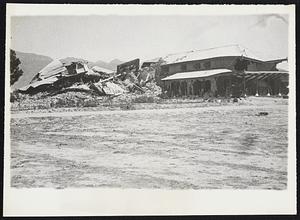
(224, 51)
(283, 66)
(155, 60)
(52, 69)
(47, 81)
(196, 74)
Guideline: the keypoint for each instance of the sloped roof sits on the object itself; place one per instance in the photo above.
(196, 74)
(152, 60)
(283, 66)
(47, 81)
(52, 69)
(224, 51)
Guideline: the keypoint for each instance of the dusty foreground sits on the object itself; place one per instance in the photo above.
(188, 148)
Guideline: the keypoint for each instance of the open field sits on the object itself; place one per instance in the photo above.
(217, 147)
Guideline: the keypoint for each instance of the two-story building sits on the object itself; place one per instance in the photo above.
(222, 71)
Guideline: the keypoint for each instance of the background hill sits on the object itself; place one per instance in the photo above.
(112, 65)
(31, 64)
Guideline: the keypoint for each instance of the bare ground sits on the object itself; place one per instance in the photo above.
(217, 147)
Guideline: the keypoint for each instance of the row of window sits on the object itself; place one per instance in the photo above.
(204, 65)
(198, 66)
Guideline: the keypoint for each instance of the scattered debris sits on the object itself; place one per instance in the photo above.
(112, 89)
(262, 113)
(102, 70)
(73, 84)
(79, 88)
(130, 66)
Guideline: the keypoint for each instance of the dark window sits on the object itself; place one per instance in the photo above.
(197, 66)
(183, 67)
(207, 65)
(218, 63)
(241, 64)
(165, 69)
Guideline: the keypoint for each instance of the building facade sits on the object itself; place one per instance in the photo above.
(224, 71)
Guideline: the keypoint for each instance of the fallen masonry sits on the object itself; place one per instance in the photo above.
(85, 86)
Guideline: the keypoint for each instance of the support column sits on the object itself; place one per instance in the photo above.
(213, 86)
(230, 85)
(256, 88)
(244, 84)
(190, 88)
(180, 92)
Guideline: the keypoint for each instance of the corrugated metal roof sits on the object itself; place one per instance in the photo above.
(196, 74)
(224, 51)
(48, 81)
(52, 69)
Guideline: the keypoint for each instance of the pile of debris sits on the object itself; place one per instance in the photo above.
(129, 83)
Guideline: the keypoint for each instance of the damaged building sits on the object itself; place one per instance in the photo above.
(72, 75)
(55, 75)
(75, 75)
(228, 71)
(222, 71)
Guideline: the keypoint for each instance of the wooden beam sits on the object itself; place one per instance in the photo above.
(274, 76)
(254, 76)
(262, 76)
(265, 76)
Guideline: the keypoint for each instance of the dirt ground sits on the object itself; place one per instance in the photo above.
(213, 147)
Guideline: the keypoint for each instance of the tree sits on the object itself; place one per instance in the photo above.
(15, 71)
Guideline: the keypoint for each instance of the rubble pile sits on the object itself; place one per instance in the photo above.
(74, 84)
(46, 101)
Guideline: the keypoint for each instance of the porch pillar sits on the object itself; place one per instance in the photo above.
(180, 92)
(256, 88)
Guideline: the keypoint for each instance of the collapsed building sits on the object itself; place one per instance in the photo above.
(223, 71)
(58, 75)
(75, 75)
(229, 71)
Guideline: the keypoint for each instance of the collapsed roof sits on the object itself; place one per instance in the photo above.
(52, 69)
(36, 84)
(55, 71)
(60, 76)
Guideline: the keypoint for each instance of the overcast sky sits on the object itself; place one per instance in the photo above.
(128, 37)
